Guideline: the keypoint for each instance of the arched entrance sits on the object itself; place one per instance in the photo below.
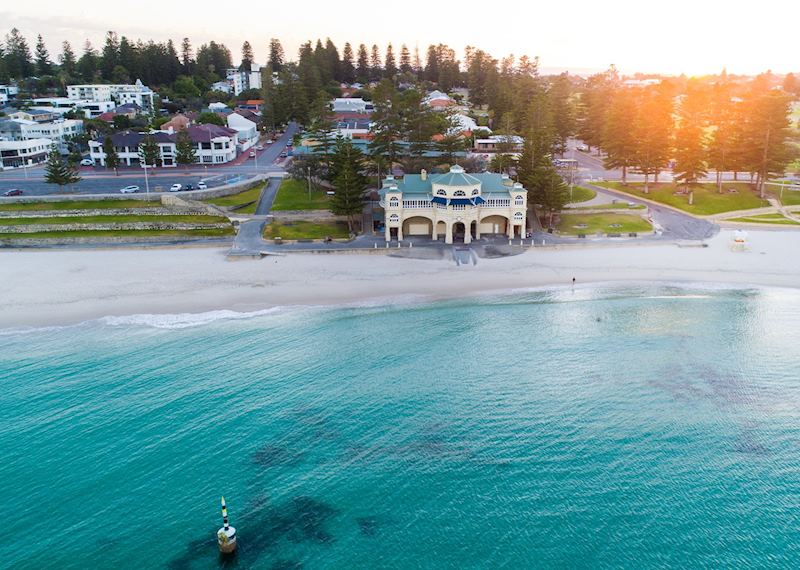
(473, 229)
(497, 225)
(459, 229)
(441, 230)
(417, 226)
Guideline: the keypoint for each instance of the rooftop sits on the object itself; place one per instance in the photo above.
(489, 181)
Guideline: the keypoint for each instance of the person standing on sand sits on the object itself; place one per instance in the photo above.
(573, 281)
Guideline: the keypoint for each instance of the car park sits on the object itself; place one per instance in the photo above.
(13, 192)
(175, 187)
(87, 162)
(202, 185)
(129, 189)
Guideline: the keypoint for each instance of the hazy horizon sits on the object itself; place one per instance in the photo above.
(682, 37)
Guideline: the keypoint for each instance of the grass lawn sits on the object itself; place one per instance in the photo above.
(306, 230)
(601, 223)
(208, 232)
(112, 219)
(790, 197)
(293, 195)
(766, 219)
(707, 200)
(81, 205)
(581, 194)
(243, 203)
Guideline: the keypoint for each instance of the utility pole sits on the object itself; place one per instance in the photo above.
(308, 170)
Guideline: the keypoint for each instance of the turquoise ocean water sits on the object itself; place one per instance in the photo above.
(633, 427)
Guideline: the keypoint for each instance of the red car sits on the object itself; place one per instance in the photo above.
(13, 192)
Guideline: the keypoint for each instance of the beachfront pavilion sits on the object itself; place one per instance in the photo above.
(455, 206)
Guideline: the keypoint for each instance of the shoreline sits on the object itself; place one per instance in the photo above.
(67, 287)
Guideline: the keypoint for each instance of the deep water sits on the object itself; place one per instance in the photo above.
(635, 427)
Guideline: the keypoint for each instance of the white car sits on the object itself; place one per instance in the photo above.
(175, 187)
(252, 154)
(87, 162)
(202, 185)
(260, 147)
(129, 190)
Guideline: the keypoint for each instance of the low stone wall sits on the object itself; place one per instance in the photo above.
(111, 240)
(180, 202)
(155, 211)
(36, 228)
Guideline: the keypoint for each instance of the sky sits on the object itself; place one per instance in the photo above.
(681, 36)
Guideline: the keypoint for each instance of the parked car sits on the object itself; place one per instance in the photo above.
(202, 185)
(188, 187)
(13, 192)
(582, 147)
(284, 154)
(129, 189)
(175, 187)
(252, 154)
(269, 141)
(87, 162)
(259, 147)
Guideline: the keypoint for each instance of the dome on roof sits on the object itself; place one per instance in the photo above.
(456, 169)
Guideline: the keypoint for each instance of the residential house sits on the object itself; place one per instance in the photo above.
(492, 144)
(455, 206)
(179, 122)
(351, 105)
(36, 115)
(222, 86)
(354, 129)
(16, 153)
(8, 92)
(215, 144)
(254, 105)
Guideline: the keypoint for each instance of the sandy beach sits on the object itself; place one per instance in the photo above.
(58, 287)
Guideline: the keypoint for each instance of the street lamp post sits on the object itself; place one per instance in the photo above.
(308, 169)
(146, 182)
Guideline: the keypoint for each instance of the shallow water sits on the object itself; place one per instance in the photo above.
(645, 426)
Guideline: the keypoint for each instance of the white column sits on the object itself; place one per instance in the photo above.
(448, 233)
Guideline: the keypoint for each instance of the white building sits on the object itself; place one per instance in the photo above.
(351, 105)
(246, 131)
(455, 206)
(14, 154)
(61, 105)
(353, 128)
(57, 131)
(119, 94)
(223, 86)
(494, 143)
(243, 80)
(213, 145)
(8, 92)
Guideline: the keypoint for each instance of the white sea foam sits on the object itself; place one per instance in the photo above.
(185, 320)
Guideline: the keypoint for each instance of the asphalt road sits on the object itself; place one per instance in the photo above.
(98, 180)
